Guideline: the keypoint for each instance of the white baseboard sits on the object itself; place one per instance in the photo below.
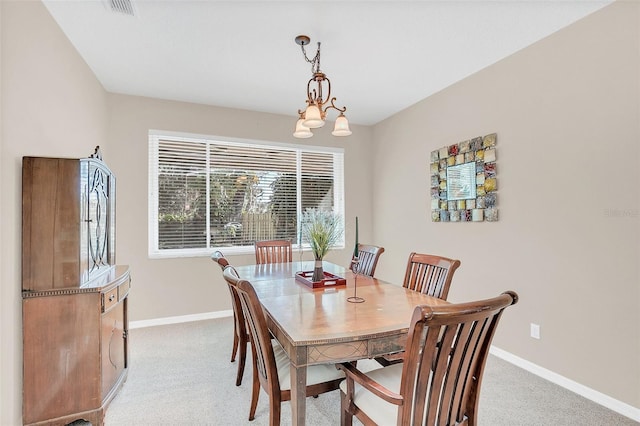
(179, 319)
(593, 395)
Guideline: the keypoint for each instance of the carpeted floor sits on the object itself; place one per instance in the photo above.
(181, 375)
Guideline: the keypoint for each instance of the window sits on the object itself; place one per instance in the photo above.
(209, 193)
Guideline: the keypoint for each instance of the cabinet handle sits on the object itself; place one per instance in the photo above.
(113, 296)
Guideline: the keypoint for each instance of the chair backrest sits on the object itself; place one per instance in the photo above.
(368, 256)
(430, 274)
(238, 314)
(264, 359)
(219, 258)
(273, 251)
(446, 352)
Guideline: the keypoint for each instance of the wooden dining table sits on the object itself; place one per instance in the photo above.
(320, 326)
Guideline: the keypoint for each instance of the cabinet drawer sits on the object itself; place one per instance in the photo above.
(109, 299)
(123, 289)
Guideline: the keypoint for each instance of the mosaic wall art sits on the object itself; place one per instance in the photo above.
(463, 181)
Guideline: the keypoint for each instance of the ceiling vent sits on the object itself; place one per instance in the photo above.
(125, 7)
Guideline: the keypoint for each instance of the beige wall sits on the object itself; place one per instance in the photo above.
(172, 287)
(566, 111)
(567, 242)
(52, 105)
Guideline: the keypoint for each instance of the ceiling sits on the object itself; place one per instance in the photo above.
(381, 56)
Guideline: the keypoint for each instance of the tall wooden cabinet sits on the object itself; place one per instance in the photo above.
(74, 296)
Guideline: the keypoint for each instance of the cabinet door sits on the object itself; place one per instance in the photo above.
(98, 213)
(114, 355)
(61, 364)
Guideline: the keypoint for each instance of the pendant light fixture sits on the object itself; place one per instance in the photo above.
(318, 103)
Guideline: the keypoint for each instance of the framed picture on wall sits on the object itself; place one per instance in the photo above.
(463, 181)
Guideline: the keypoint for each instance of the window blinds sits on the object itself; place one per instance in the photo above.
(209, 193)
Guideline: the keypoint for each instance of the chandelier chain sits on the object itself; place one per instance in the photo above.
(315, 62)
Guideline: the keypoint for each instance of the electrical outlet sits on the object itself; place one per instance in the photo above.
(535, 331)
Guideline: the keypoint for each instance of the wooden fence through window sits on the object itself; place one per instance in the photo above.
(258, 226)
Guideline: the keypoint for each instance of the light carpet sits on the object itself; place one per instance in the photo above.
(180, 374)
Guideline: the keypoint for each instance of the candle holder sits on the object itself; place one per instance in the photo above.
(300, 251)
(355, 262)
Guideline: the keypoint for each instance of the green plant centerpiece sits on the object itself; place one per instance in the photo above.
(323, 229)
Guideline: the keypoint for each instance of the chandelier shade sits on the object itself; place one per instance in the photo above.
(313, 118)
(341, 127)
(319, 99)
(302, 132)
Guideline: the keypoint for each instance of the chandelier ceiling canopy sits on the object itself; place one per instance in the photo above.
(319, 99)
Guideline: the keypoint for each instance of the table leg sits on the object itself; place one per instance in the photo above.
(298, 394)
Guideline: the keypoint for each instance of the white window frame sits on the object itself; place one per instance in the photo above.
(155, 136)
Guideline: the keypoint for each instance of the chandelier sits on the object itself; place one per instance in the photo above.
(317, 102)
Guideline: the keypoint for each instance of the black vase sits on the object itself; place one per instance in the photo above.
(318, 272)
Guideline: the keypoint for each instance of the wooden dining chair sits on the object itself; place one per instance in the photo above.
(368, 256)
(428, 274)
(271, 366)
(439, 382)
(219, 258)
(273, 251)
(240, 335)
